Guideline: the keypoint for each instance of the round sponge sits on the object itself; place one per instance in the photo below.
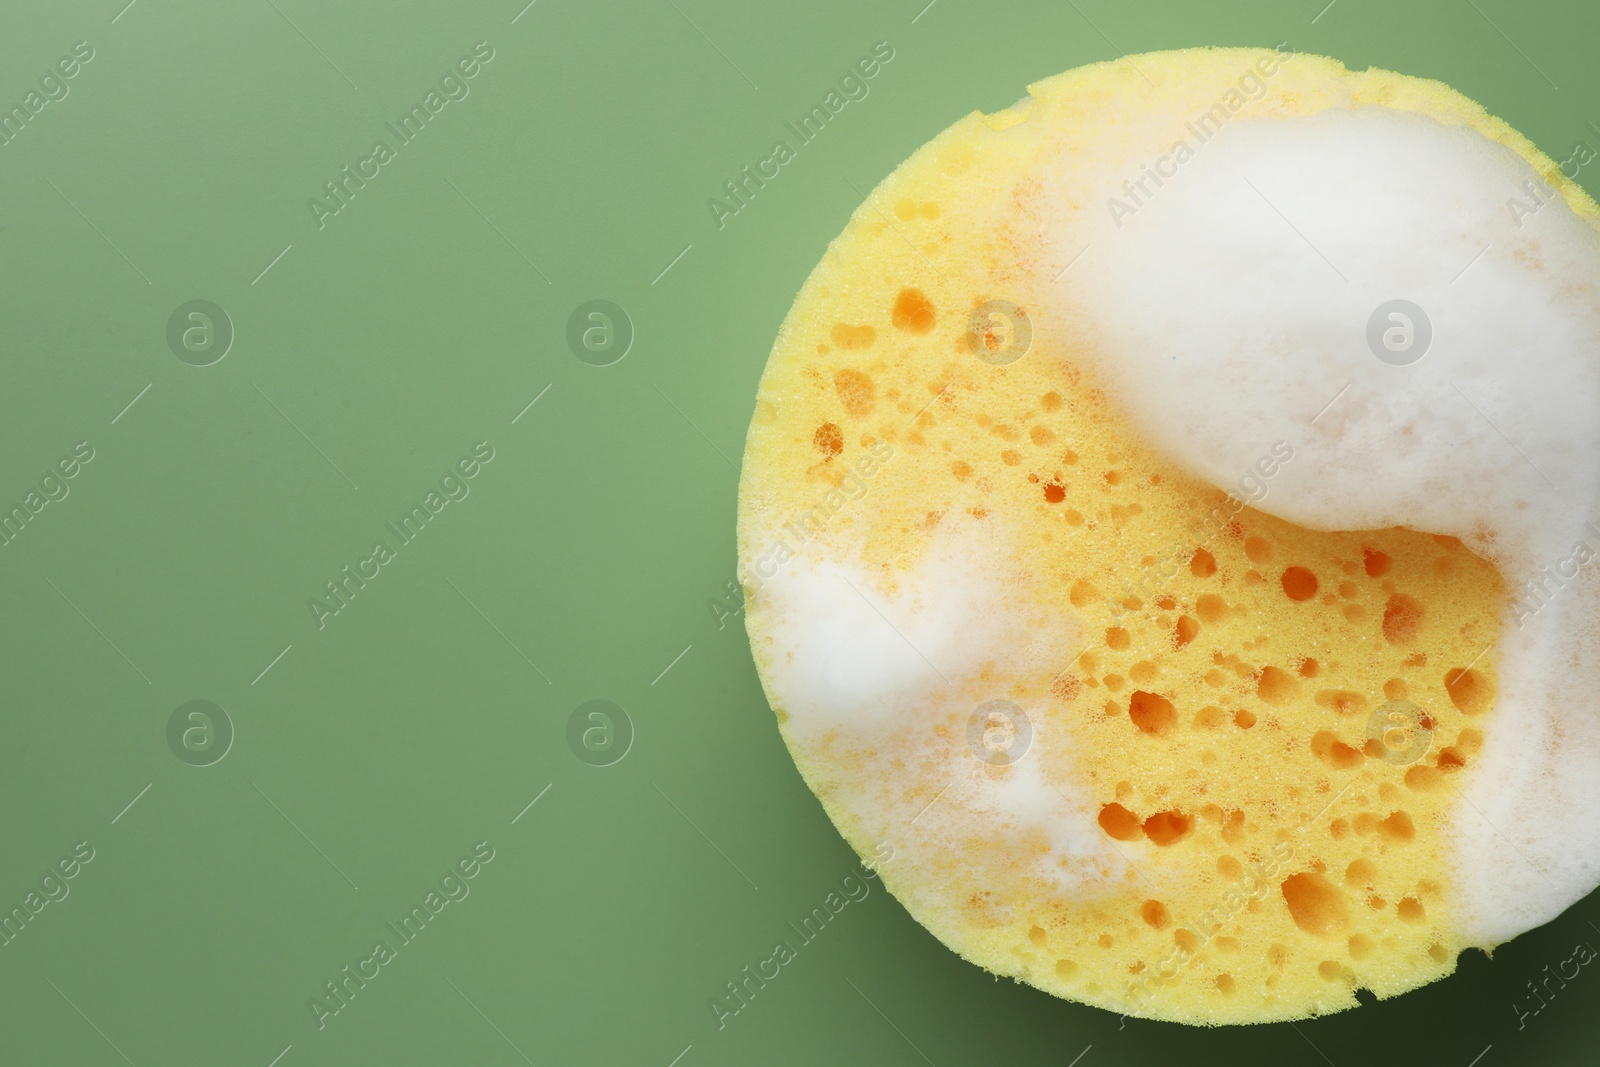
(1181, 631)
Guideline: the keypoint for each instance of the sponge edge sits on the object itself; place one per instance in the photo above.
(1115, 729)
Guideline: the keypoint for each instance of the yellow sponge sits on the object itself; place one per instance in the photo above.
(1131, 740)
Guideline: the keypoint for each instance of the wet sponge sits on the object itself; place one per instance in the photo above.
(1127, 737)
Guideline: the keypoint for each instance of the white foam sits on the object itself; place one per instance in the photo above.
(1230, 312)
(861, 664)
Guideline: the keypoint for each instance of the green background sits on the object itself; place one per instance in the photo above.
(424, 717)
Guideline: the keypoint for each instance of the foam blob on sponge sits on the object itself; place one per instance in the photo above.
(1177, 639)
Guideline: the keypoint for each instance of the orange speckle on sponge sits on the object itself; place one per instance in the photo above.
(1468, 690)
(1327, 747)
(1166, 827)
(1402, 618)
(1410, 910)
(856, 392)
(1156, 914)
(828, 439)
(1151, 713)
(1120, 823)
(912, 312)
(1299, 583)
(1316, 905)
(1186, 630)
(1397, 827)
(1276, 685)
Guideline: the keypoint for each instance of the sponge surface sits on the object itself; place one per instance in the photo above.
(1134, 737)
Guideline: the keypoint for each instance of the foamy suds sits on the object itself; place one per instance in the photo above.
(1231, 311)
(864, 665)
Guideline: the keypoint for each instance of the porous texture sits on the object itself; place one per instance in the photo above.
(1129, 740)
